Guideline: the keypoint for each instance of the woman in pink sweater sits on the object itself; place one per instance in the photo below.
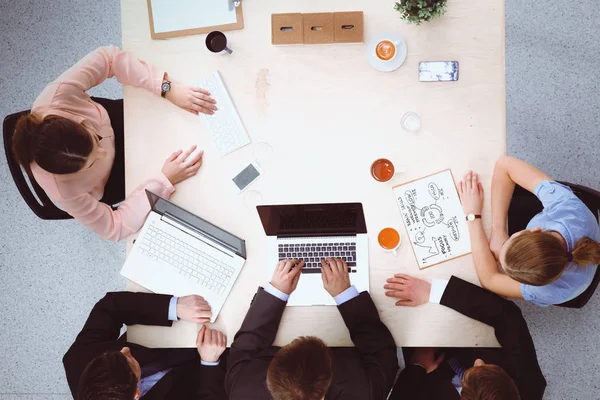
(67, 143)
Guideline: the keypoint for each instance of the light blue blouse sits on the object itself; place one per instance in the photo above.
(565, 213)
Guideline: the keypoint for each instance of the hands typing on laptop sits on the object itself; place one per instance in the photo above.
(335, 276)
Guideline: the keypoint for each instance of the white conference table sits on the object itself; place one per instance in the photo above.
(327, 114)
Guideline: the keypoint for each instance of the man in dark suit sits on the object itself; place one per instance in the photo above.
(508, 373)
(307, 369)
(102, 365)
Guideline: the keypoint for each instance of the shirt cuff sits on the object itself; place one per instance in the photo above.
(173, 309)
(157, 81)
(438, 286)
(167, 183)
(346, 295)
(209, 364)
(272, 290)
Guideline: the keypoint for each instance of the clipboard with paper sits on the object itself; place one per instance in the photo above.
(175, 18)
(434, 219)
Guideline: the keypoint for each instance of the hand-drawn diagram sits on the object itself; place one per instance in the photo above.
(433, 218)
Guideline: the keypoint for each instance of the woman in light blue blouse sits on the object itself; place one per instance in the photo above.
(552, 261)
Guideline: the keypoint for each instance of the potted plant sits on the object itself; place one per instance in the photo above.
(418, 11)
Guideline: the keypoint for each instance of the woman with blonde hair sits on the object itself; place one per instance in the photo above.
(67, 143)
(554, 260)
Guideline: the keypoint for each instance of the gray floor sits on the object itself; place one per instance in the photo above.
(553, 121)
(53, 272)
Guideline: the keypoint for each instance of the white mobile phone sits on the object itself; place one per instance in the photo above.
(438, 71)
(247, 176)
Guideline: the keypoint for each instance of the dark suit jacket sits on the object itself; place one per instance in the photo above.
(187, 380)
(366, 372)
(517, 355)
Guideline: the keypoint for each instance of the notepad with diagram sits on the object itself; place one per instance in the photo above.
(434, 218)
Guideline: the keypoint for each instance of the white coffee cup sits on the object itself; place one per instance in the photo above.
(386, 50)
(389, 240)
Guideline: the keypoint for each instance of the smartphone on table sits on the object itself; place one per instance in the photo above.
(247, 176)
(438, 71)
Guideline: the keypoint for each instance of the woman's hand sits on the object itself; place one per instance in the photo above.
(471, 193)
(193, 99)
(178, 169)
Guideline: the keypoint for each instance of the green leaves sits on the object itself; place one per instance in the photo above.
(418, 11)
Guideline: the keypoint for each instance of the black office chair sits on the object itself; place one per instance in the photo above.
(37, 200)
(525, 205)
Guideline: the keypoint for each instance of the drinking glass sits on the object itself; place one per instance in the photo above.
(252, 198)
(411, 122)
(263, 154)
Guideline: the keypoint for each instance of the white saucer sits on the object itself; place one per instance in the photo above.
(394, 63)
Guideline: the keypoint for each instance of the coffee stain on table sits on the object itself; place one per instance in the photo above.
(262, 86)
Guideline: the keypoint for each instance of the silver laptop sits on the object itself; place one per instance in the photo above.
(180, 253)
(312, 232)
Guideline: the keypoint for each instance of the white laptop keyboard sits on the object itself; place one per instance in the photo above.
(225, 126)
(192, 263)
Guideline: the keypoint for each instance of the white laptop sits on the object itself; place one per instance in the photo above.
(179, 253)
(312, 232)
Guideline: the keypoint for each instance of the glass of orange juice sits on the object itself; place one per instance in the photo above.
(389, 240)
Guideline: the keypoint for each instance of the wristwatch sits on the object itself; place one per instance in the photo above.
(164, 88)
(472, 217)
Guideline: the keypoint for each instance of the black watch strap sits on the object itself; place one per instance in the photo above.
(475, 216)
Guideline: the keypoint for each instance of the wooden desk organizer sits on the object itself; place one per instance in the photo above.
(317, 28)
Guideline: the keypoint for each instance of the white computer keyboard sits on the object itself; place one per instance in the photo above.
(225, 126)
(192, 263)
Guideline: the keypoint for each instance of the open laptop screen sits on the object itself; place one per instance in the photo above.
(228, 240)
(293, 220)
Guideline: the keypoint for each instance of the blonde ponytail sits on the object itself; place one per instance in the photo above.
(586, 252)
(540, 258)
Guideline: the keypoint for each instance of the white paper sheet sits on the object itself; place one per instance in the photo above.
(177, 15)
(434, 219)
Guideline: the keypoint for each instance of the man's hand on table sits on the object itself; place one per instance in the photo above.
(211, 344)
(193, 308)
(410, 291)
(193, 99)
(286, 275)
(336, 279)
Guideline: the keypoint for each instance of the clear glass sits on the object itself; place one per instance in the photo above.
(263, 154)
(411, 122)
(252, 198)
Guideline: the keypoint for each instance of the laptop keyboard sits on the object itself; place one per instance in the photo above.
(191, 262)
(313, 253)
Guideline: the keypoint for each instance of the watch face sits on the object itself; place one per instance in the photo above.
(471, 217)
(166, 87)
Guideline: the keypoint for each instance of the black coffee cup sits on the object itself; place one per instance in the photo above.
(216, 42)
